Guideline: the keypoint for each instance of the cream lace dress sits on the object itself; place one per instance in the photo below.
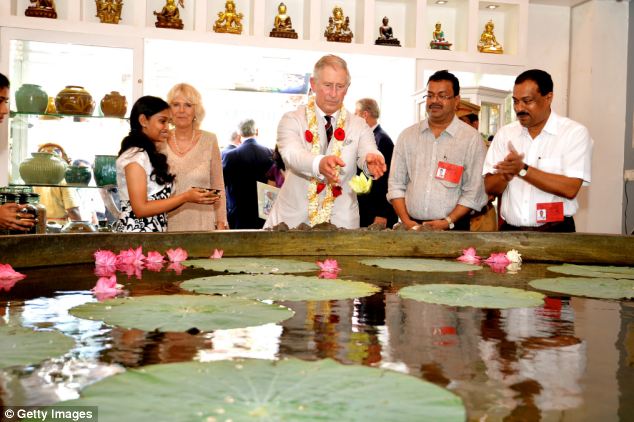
(200, 167)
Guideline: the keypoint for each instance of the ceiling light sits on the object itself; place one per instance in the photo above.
(441, 2)
(492, 6)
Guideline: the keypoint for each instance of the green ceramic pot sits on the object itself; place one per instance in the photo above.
(77, 175)
(105, 170)
(43, 168)
(31, 98)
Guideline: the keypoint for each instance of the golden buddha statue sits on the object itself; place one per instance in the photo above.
(169, 16)
(229, 21)
(109, 11)
(338, 28)
(282, 27)
(386, 35)
(438, 41)
(42, 9)
(488, 43)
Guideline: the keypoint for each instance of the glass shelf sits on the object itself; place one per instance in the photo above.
(44, 116)
(26, 185)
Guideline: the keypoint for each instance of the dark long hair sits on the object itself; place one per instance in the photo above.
(147, 106)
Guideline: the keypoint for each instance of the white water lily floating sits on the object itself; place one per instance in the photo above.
(360, 184)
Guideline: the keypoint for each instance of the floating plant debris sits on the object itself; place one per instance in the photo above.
(182, 312)
(279, 287)
(420, 264)
(601, 288)
(24, 346)
(253, 265)
(490, 297)
(286, 390)
(594, 271)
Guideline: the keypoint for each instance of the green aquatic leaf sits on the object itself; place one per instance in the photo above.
(490, 297)
(420, 264)
(261, 390)
(24, 346)
(253, 265)
(602, 288)
(594, 271)
(279, 287)
(182, 312)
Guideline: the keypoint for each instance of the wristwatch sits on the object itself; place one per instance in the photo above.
(450, 221)
(523, 171)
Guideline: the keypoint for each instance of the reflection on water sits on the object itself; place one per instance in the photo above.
(571, 359)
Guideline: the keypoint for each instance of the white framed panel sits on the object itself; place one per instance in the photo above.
(402, 16)
(506, 24)
(186, 13)
(242, 6)
(454, 17)
(354, 9)
(296, 9)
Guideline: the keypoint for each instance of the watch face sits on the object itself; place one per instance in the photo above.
(522, 173)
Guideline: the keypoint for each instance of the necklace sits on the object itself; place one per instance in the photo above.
(177, 146)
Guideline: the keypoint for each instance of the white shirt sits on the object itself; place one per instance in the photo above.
(563, 147)
(135, 155)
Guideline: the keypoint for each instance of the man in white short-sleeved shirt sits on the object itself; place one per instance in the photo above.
(538, 163)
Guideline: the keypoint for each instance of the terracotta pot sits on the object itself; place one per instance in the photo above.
(74, 100)
(114, 105)
(105, 170)
(44, 168)
(30, 98)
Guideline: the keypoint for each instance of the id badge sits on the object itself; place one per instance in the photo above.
(449, 172)
(550, 212)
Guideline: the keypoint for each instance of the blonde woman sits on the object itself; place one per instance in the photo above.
(194, 158)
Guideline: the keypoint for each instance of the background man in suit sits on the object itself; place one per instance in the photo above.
(322, 144)
(374, 208)
(234, 142)
(243, 167)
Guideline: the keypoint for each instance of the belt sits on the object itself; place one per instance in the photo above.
(565, 226)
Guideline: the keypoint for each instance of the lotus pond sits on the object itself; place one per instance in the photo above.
(375, 344)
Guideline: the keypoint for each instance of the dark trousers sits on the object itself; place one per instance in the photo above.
(566, 226)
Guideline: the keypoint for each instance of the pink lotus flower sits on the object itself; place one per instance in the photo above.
(469, 256)
(105, 270)
(154, 266)
(131, 256)
(177, 255)
(8, 273)
(177, 267)
(328, 275)
(154, 257)
(105, 258)
(498, 258)
(329, 266)
(217, 254)
(106, 288)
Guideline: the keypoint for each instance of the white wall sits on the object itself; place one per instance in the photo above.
(597, 99)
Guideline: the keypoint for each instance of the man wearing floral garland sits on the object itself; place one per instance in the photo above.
(321, 145)
(435, 177)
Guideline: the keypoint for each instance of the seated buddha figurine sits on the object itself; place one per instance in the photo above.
(488, 43)
(386, 36)
(169, 16)
(438, 41)
(338, 28)
(42, 9)
(282, 27)
(229, 21)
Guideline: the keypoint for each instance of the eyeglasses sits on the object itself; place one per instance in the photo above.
(441, 97)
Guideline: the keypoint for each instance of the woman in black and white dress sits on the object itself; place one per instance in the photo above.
(143, 177)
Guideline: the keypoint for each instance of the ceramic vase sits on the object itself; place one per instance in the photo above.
(105, 170)
(78, 175)
(114, 105)
(43, 168)
(31, 98)
(74, 100)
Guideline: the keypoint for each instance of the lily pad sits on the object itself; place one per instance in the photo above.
(594, 271)
(279, 287)
(24, 346)
(260, 390)
(420, 264)
(602, 288)
(253, 265)
(182, 312)
(490, 297)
